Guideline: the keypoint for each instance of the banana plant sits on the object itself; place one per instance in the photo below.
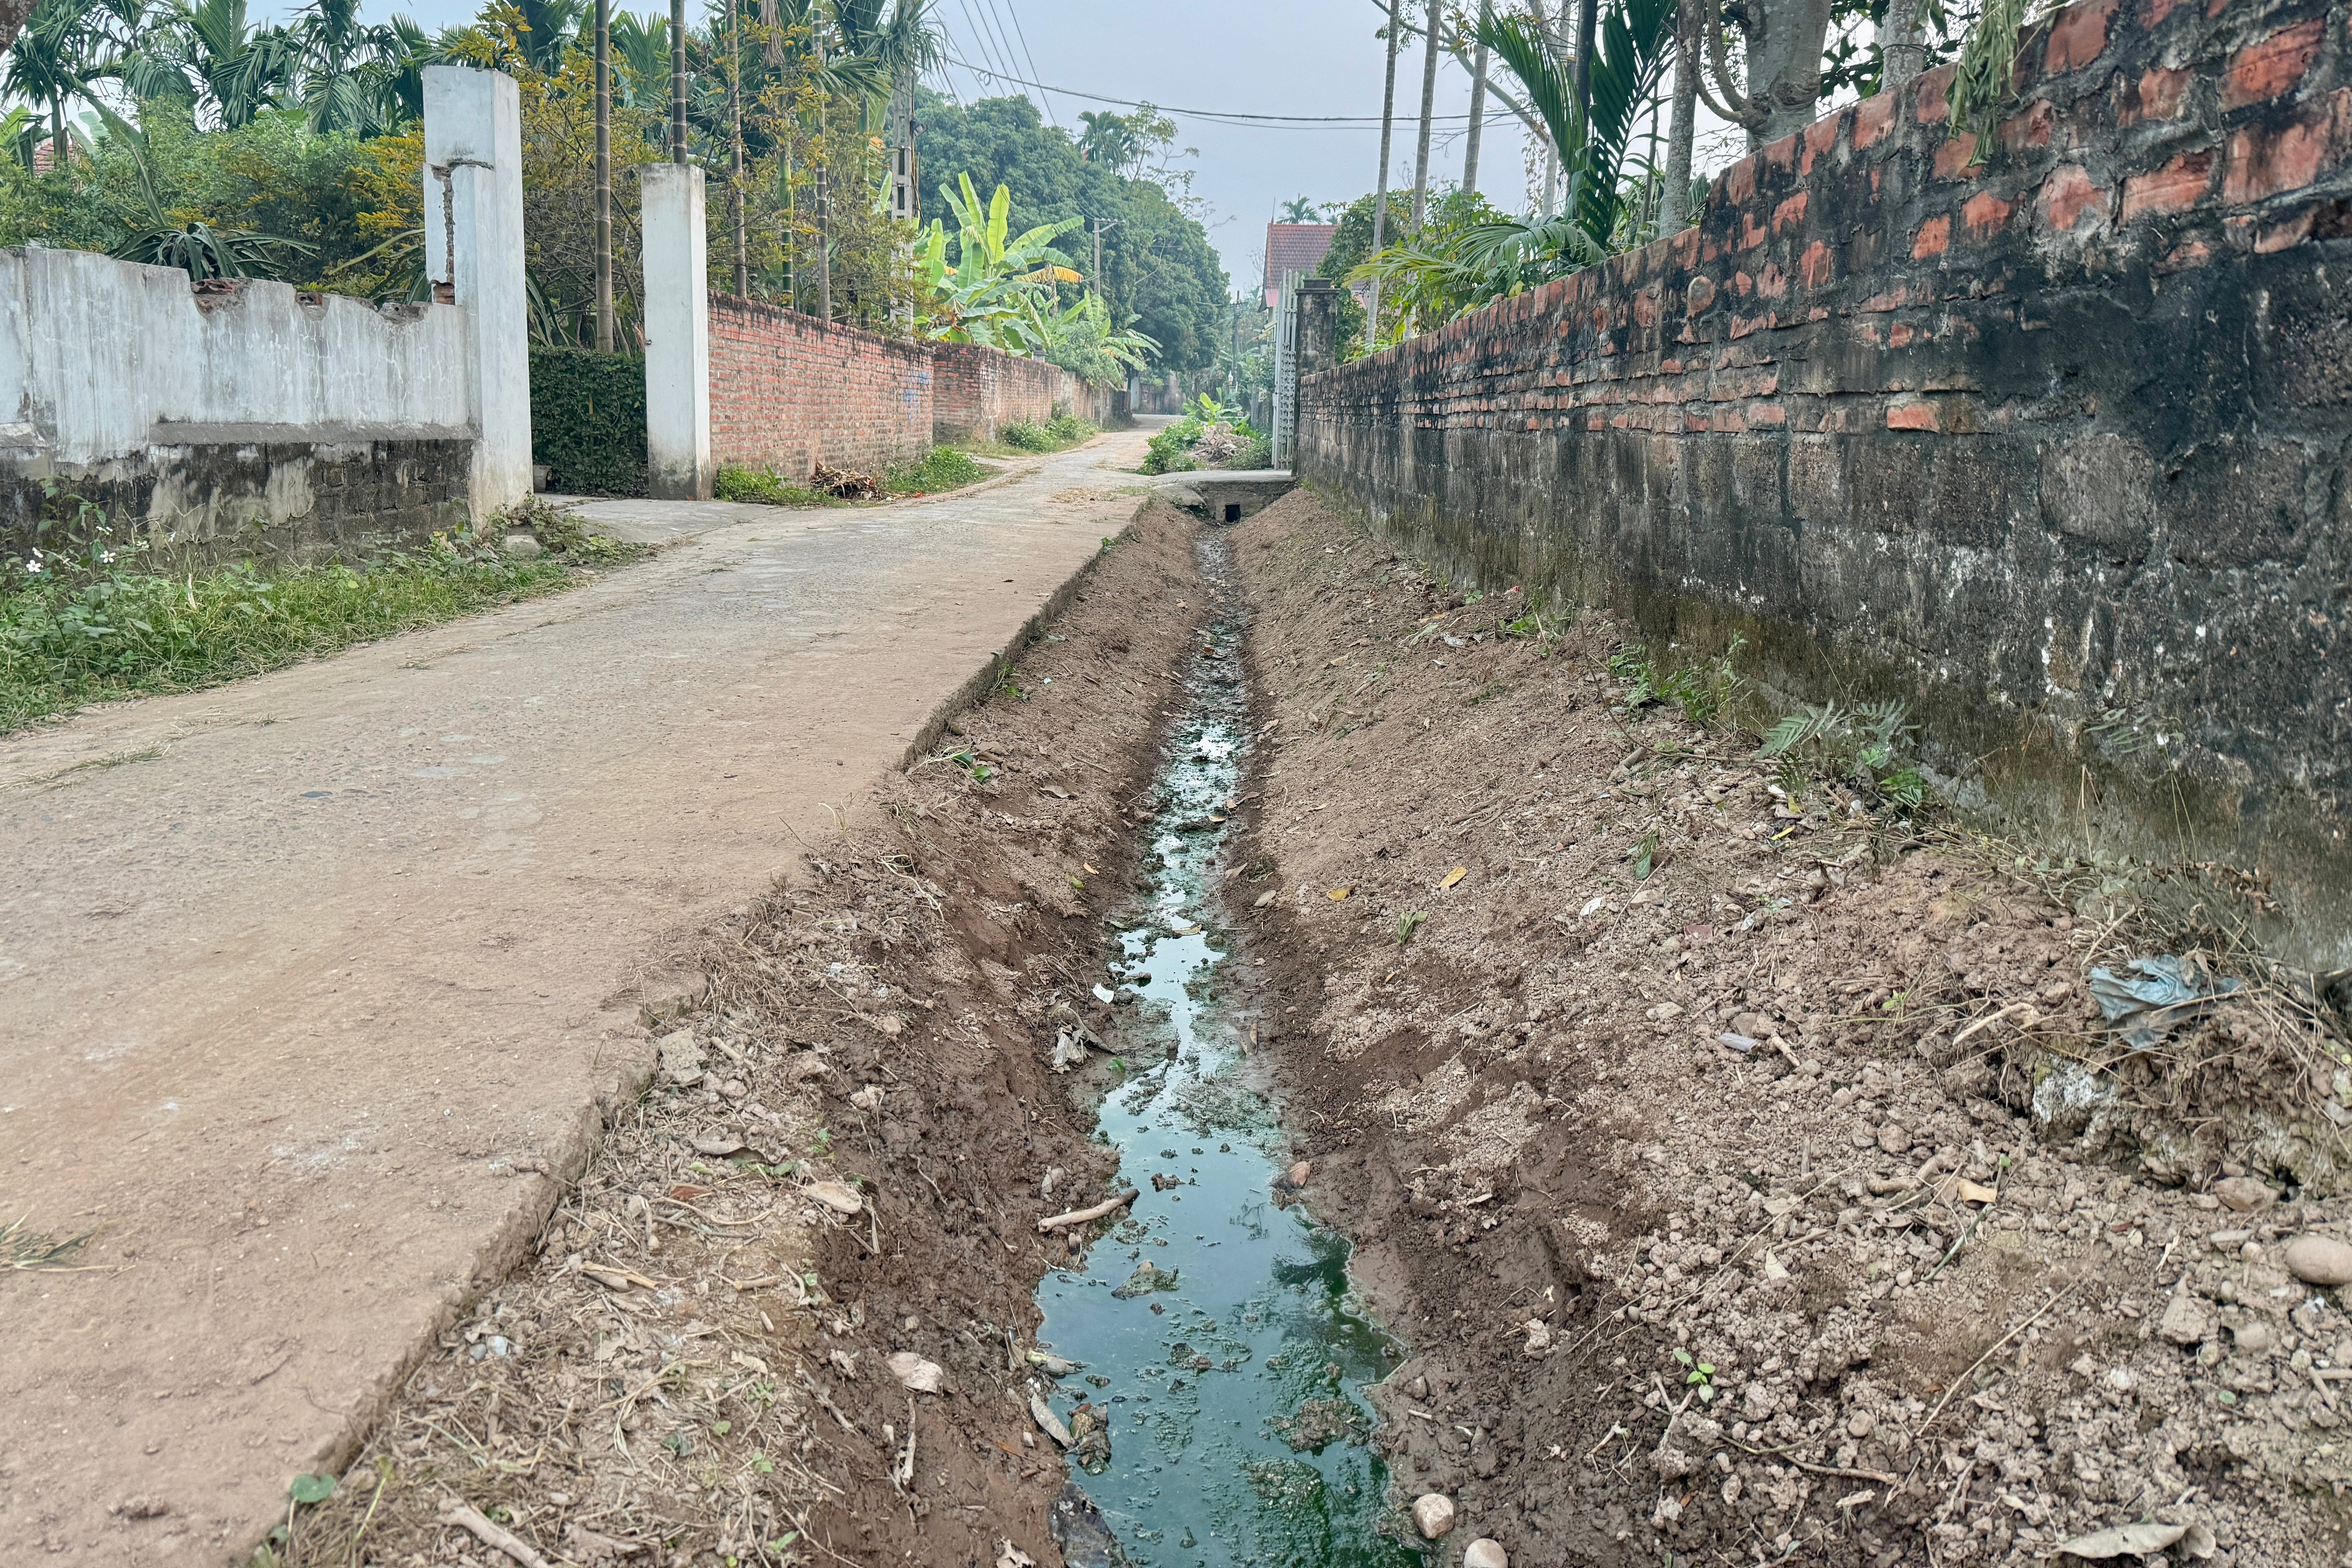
(1081, 338)
(989, 296)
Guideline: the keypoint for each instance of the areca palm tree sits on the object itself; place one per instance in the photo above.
(53, 61)
(1635, 40)
(548, 28)
(899, 48)
(344, 68)
(208, 51)
(1108, 139)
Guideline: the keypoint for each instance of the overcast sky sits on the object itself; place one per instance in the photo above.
(1301, 57)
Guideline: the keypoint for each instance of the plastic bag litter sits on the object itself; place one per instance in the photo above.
(2173, 992)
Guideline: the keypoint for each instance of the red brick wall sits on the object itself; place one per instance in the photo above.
(788, 391)
(977, 392)
(2055, 444)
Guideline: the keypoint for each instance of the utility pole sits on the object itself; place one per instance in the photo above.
(1436, 18)
(1478, 103)
(735, 150)
(677, 81)
(604, 323)
(1381, 192)
(1095, 278)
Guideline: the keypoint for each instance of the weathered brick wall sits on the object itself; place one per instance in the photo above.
(2053, 445)
(979, 391)
(787, 391)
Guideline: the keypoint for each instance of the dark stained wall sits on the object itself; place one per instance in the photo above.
(2046, 436)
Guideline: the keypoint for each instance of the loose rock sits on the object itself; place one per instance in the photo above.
(2185, 1321)
(1485, 1553)
(1433, 1515)
(2319, 1261)
(680, 1058)
(2244, 1194)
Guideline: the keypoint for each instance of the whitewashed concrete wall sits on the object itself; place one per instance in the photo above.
(100, 359)
(235, 417)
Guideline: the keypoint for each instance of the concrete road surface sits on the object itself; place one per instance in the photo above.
(309, 985)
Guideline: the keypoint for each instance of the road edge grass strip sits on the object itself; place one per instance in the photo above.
(938, 471)
(107, 626)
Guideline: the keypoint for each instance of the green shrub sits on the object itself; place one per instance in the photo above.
(941, 468)
(1027, 436)
(1069, 429)
(1171, 451)
(739, 483)
(588, 421)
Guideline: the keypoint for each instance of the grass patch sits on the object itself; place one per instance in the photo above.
(101, 621)
(1059, 434)
(741, 482)
(941, 468)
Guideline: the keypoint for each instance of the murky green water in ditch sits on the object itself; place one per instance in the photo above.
(1220, 1335)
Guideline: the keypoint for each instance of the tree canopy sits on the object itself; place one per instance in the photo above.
(1157, 263)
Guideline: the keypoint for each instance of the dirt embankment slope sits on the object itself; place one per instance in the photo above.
(844, 1159)
(1828, 1294)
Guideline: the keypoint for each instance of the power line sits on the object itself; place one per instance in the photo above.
(995, 22)
(979, 38)
(1222, 116)
(1013, 10)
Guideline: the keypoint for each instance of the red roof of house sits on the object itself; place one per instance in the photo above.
(1294, 248)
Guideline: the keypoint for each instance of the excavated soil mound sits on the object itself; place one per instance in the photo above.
(842, 1161)
(1742, 1170)
(1825, 1292)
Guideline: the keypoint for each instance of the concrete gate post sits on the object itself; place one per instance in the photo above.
(473, 231)
(1319, 326)
(677, 335)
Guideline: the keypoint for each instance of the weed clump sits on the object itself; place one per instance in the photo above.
(1059, 433)
(941, 468)
(93, 618)
(1210, 436)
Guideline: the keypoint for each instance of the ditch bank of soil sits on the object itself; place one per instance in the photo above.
(1512, 1090)
(840, 1161)
(1842, 1290)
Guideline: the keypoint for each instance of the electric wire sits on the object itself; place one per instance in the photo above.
(996, 27)
(1219, 116)
(1013, 10)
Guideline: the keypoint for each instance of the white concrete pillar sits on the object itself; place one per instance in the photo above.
(678, 335)
(473, 248)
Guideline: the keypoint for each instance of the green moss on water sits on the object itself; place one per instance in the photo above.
(1238, 1430)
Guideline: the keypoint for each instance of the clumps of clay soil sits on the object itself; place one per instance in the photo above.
(785, 1318)
(1753, 1175)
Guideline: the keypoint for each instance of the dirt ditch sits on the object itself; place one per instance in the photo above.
(1749, 1172)
(1699, 1143)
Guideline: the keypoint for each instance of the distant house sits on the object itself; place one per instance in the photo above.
(1294, 248)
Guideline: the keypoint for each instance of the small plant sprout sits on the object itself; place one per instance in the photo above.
(1644, 855)
(1698, 1375)
(1408, 924)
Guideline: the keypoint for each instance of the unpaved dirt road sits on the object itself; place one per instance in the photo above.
(309, 985)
